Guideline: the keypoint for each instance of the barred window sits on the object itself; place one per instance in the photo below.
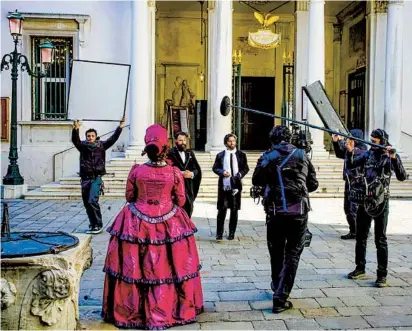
(50, 94)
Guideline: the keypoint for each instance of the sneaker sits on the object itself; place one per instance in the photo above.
(381, 282)
(96, 230)
(356, 274)
(279, 306)
(231, 236)
(348, 236)
(219, 237)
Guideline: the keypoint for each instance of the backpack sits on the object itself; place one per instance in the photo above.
(293, 209)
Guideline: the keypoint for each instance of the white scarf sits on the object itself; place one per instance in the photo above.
(226, 167)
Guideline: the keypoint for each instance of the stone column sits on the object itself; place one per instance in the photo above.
(219, 71)
(141, 75)
(152, 61)
(376, 31)
(393, 72)
(301, 47)
(316, 63)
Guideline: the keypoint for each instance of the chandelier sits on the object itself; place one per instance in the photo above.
(257, 2)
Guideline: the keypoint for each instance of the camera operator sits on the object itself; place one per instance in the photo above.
(287, 175)
(377, 165)
(350, 176)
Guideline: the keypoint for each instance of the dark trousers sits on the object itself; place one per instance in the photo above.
(285, 239)
(188, 207)
(363, 226)
(90, 196)
(221, 215)
(350, 209)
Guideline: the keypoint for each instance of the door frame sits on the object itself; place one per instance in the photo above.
(350, 76)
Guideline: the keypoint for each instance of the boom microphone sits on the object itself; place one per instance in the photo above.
(225, 107)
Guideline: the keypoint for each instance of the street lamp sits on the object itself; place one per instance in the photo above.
(15, 59)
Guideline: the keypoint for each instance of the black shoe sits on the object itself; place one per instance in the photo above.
(219, 237)
(279, 306)
(231, 236)
(381, 282)
(348, 236)
(356, 274)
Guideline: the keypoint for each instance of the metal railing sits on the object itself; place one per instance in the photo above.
(73, 147)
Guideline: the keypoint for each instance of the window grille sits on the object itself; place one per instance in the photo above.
(50, 94)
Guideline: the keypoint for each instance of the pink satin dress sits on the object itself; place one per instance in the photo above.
(152, 263)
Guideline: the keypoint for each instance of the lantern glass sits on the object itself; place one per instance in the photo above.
(47, 52)
(15, 23)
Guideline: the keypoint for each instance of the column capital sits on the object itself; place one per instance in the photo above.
(211, 4)
(302, 5)
(381, 7)
(151, 3)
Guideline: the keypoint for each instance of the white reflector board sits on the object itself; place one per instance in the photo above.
(98, 90)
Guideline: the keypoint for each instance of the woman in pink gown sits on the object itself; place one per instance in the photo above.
(152, 264)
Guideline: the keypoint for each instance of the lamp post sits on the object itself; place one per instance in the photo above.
(15, 59)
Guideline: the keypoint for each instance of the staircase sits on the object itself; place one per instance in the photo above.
(329, 174)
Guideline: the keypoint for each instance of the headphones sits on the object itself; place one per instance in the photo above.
(384, 137)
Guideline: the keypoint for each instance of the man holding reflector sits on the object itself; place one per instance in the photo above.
(92, 168)
(376, 165)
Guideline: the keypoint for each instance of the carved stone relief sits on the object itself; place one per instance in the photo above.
(8, 293)
(49, 296)
(337, 33)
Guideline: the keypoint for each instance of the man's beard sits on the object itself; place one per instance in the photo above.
(231, 147)
(181, 147)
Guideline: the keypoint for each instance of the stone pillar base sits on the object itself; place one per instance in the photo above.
(42, 292)
(13, 191)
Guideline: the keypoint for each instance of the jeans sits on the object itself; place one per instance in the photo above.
(363, 226)
(90, 196)
(285, 239)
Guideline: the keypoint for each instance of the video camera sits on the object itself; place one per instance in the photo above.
(302, 139)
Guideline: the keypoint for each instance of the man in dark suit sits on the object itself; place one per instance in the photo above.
(231, 166)
(186, 161)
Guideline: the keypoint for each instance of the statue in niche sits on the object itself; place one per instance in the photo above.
(182, 95)
(177, 92)
(187, 97)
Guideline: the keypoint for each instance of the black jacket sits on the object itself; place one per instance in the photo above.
(93, 155)
(191, 184)
(298, 175)
(218, 169)
(341, 153)
(375, 163)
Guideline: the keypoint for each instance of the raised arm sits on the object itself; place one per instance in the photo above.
(339, 149)
(113, 138)
(179, 187)
(131, 188)
(76, 139)
(75, 135)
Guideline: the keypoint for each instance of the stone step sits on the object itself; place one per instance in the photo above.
(38, 194)
(117, 188)
(324, 180)
(329, 174)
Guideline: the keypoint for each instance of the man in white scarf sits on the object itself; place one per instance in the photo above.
(231, 166)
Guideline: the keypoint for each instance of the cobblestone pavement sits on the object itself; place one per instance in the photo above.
(235, 274)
